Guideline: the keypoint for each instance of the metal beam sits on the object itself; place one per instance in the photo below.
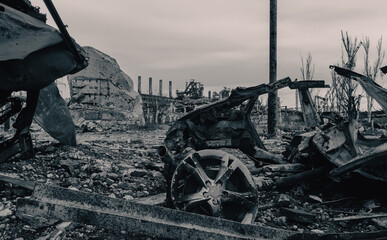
(118, 214)
(82, 62)
(311, 117)
(308, 84)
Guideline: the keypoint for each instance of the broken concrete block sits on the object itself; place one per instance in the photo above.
(59, 230)
(138, 173)
(5, 213)
(37, 222)
(315, 198)
(280, 221)
(128, 197)
(298, 215)
(382, 222)
(318, 231)
(113, 176)
(371, 205)
(263, 182)
(284, 200)
(158, 199)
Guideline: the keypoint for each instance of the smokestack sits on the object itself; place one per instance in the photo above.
(209, 94)
(150, 86)
(170, 89)
(139, 84)
(161, 88)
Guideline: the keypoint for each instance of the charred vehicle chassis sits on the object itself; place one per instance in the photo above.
(212, 182)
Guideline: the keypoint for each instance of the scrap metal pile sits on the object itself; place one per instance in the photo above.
(216, 183)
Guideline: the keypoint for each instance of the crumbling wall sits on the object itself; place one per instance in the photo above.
(102, 91)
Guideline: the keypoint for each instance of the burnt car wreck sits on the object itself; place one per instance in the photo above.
(191, 165)
(42, 54)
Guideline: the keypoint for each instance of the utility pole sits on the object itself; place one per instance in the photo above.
(272, 98)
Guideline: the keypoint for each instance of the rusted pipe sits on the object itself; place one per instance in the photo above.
(165, 155)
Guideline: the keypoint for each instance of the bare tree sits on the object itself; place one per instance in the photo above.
(307, 69)
(351, 47)
(343, 89)
(307, 72)
(372, 71)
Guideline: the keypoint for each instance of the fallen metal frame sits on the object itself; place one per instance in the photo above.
(227, 123)
(344, 152)
(233, 127)
(373, 89)
(376, 157)
(63, 204)
(311, 117)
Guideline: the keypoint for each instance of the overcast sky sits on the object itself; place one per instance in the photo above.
(219, 42)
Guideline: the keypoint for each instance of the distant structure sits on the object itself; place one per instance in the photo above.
(193, 90)
(158, 108)
(225, 93)
(102, 91)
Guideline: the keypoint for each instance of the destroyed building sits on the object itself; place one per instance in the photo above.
(103, 91)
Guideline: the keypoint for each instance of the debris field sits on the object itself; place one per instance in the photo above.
(112, 163)
(124, 164)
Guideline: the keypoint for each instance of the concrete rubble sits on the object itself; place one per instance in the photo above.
(102, 91)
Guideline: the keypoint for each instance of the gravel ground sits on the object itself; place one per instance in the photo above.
(124, 164)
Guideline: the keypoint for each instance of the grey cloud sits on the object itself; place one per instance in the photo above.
(218, 42)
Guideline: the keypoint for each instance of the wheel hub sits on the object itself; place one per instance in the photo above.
(215, 183)
(214, 191)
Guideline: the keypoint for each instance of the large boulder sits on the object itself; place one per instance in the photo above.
(103, 66)
(102, 91)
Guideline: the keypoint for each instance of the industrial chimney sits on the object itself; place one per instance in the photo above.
(170, 89)
(150, 86)
(161, 88)
(139, 84)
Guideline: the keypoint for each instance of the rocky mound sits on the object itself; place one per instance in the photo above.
(103, 66)
(102, 91)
